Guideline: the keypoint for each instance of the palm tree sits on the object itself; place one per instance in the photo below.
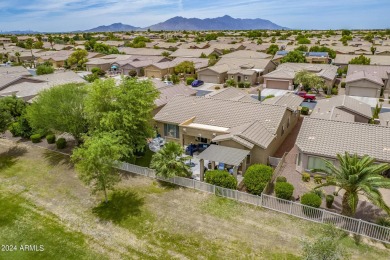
(17, 54)
(169, 162)
(357, 176)
(50, 39)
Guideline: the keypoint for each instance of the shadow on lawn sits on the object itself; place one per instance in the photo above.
(10, 157)
(121, 205)
(55, 159)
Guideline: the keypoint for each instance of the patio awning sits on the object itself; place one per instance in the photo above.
(224, 154)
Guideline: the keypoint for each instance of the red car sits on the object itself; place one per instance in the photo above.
(310, 97)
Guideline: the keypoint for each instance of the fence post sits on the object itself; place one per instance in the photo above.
(261, 200)
(322, 216)
(358, 229)
(291, 203)
(193, 183)
(213, 189)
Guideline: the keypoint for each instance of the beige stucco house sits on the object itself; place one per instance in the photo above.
(250, 125)
(367, 80)
(283, 76)
(320, 139)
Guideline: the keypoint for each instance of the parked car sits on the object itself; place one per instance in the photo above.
(309, 97)
(197, 83)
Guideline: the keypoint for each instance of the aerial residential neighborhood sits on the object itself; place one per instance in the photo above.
(194, 137)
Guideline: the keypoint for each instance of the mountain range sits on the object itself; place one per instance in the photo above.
(195, 24)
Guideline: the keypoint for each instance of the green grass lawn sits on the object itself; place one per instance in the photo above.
(22, 223)
(42, 201)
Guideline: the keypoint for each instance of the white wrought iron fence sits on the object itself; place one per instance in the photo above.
(355, 226)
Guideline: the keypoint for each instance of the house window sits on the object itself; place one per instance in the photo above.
(282, 131)
(316, 163)
(171, 130)
(232, 77)
(246, 78)
(299, 159)
(288, 122)
(201, 140)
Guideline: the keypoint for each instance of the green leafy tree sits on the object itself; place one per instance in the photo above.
(38, 45)
(346, 33)
(303, 48)
(78, 58)
(165, 54)
(11, 108)
(96, 160)
(170, 162)
(185, 67)
(294, 56)
(361, 60)
(373, 50)
(357, 176)
(17, 55)
(272, 49)
(59, 108)
(309, 81)
(331, 52)
(125, 109)
(44, 69)
(29, 44)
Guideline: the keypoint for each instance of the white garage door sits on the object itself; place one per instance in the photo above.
(277, 84)
(362, 92)
(208, 78)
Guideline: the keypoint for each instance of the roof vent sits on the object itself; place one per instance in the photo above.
(311, 138)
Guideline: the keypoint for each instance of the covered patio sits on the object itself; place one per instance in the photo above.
(223, 155)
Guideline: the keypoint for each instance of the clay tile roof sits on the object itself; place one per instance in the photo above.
(328, 138)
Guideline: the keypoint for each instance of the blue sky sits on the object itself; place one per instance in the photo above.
(67, 15)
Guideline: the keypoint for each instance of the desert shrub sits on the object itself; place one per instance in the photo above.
(61, 143)
(329, 200)
(256, 178)
(284, 190)
(311, 199)
(383, 221)
(51, 139)
(221, 179)
(44, 69)
(35, 138)
(189, 81)
(318, 192)
(133, 73)
(14, 128)
(247, 84)
(91, 77)
(241, 84)
(343, 84)
(318, 179)
(306, 177)
(217, 87)
(335, 91)
(231, 83)
(304, 110)
(98, 71)
(281, 179)
(329, 179)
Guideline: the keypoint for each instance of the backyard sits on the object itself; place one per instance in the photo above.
(44, 203)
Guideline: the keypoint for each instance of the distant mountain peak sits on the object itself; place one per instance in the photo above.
(225, 22)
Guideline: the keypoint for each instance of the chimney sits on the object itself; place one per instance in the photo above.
(387, 122)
